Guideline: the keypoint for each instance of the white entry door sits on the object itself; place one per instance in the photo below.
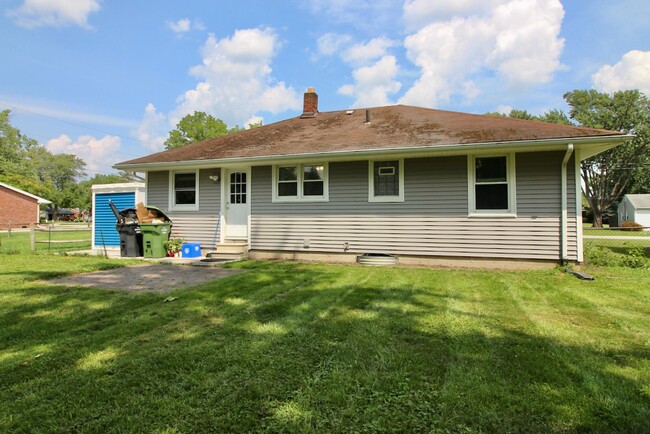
(237, 203)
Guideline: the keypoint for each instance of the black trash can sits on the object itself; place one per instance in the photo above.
(130, 239)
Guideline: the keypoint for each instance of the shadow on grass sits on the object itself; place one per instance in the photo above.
(294, 347)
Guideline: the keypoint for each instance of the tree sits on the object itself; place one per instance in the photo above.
(608, 175)
(81, 195)
(196, 127)
(13, 147)
(201, 126)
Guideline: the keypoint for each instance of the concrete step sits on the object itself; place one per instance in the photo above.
(232, 248)
(227, 256)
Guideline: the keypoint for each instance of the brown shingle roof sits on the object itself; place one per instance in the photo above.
(391, 127)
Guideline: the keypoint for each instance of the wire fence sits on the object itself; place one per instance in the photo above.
(617, 246)
(46, 239)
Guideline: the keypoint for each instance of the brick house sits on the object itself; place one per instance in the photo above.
(18, 208)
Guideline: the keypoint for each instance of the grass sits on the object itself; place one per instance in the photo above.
(289, 347)
(615, 233)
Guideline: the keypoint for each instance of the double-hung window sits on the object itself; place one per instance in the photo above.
(386, 181)
(184, 190)
(492, 185)
(305, 182)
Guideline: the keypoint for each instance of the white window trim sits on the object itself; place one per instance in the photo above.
(300, 197)
(512, 187)
(371, 182)
(172, 178)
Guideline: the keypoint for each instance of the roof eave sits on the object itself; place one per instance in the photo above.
(588, 146)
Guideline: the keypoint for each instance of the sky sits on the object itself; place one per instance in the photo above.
(107, 80)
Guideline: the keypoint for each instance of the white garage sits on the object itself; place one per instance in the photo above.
(635, 208)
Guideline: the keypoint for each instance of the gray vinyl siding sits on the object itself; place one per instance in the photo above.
(432, 220)
(194, 226)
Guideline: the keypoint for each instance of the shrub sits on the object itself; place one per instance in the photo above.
(635, 258)
(631, 226)
(596, 255)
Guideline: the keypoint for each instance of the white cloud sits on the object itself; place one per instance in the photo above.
(631, 72)
(374, 73)
(236, 79)
(184, 25)
(152, 130)
(330, 43)
(180, 26)
(366, 52)
(419, 13)
(97, 153)
(373, 83)
(517, 39)
(236, 86)
(56, 13)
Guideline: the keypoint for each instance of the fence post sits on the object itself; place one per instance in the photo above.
(32, 238)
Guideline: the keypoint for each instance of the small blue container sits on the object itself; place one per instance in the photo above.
(191, 250)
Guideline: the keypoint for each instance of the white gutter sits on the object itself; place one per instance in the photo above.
(607, 141)
(564, 217)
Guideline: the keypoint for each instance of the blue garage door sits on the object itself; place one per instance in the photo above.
(104, 219)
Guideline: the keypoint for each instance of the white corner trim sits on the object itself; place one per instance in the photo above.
(371, 182)
(563, 198)
(577, 179)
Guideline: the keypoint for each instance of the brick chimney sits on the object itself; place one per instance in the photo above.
(310, 104)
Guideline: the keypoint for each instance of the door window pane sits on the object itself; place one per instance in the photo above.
(238, 187)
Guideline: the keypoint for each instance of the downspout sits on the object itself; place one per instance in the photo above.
(564, 217)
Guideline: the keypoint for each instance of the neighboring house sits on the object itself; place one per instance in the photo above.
(62, 214)
(18, 208)
(429, 185)
(635, 208)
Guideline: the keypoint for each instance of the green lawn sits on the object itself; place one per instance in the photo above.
(291, 347)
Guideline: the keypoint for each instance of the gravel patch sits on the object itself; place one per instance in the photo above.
(146, 278)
